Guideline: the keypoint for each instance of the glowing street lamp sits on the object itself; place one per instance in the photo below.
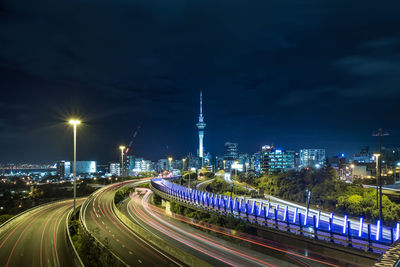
(224, 164)
(236, 163)
(74, 122)
(122, 148)
(183, 164)
(377, 155)
(170, 163)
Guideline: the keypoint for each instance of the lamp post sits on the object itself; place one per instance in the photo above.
(170, 163)
(74, 122)
(377, 171)
(224, 164)
(189, 170)
(380, 132)
(183, 164)
(236, 163)
(352, 172)
(122, 148)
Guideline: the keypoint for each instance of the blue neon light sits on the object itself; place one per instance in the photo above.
(344, 224)
(378, 229)
(305, 218)
(361, 226)
(284, 215)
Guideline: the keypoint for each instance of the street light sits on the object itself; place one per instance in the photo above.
(224, 164)
(236, 163)
(380, 132)
(122, 148)
(74, 122)
(170, 163)
(183, 164)
(376, 155)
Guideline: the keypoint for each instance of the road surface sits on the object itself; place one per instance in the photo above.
(214, 250)
(37, 237)
(103, 224)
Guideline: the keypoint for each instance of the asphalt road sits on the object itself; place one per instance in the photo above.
(214, 250)
(37, 238)
(101, 222)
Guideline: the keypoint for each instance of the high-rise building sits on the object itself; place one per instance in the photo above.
(312, 157)
(115, 169)
(276, 160)
(231, 151)
(201, 125)
(63, 169)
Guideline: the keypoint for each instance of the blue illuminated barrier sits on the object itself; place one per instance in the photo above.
(363, 236)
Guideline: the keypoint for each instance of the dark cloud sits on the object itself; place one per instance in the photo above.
(295, 73)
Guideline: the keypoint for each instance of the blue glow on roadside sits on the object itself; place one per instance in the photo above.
(378, 229)
(344, 224)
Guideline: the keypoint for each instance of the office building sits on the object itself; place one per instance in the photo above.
(276, 160)
(312, 157)
(63, 169)
(231, 151)
(115, 169)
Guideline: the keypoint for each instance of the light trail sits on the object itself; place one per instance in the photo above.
(226, 232)
(180, 238)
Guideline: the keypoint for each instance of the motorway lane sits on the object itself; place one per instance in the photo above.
(207, 247)
(101, 221)
(37, 238)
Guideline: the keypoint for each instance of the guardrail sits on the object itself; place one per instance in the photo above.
(262, 217)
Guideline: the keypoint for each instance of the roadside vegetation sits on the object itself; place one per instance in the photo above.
(225, 221)
(90, 253)
(327, 192)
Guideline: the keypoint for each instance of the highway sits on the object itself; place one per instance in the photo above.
(102, 223)
(214, 250)
(37, 237)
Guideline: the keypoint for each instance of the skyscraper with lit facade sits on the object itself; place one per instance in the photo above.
(274, 160)
(312, 157)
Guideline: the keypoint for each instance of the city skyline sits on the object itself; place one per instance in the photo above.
(294, 85)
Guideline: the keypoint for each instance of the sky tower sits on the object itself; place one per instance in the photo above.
(201, 125)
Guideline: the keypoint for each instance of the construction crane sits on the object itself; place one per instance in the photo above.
(128, 148)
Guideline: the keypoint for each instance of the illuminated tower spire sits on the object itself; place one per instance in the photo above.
(201, 125)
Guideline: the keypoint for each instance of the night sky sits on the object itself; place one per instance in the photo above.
(297, 74)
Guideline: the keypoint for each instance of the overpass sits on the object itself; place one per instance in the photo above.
(373, 239)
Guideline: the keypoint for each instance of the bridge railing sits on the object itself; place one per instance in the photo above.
(294, 222)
